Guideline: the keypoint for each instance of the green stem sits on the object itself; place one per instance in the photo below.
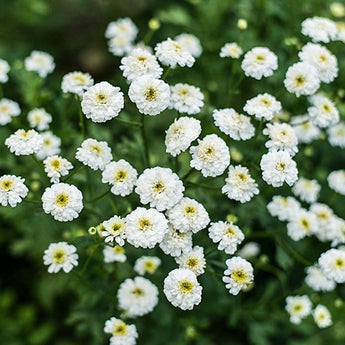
(186, 175)
(89, 258)
(113, 206)
(73, 173)
(166, 72)
(38, 162)
(201, 185)
(98, 197)
(148, 36)
(145, 142)
(128, 122)
(81, 118)
(258, 130)
(298, 257)
(1, 92)
(211, 251)
(32, 201)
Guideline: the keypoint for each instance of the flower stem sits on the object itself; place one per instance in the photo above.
(73, 173)
(32, 201)
(98, 197)
(145, 143)
(166, 72)
(187, 174)
(38, 162)
(129, 122)
(90, 257)
(81, 118)
(201, 185)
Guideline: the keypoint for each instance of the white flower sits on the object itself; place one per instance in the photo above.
(232, 50)
(338, 231)
(120, 45)
(50, 147)
(137, 296)
(259, 62)
(239, 185)
(171, 53)
(188, 215)
(322, 316)
(39, 118)
(8, 108)
(55, 167)
(113, 254)
(263, 106)
(249, 250)
(190, 42)
(122, 27)
(336, 135)
(122, 334)
(320, 29)
(302, 224)
(304, 129)
(282, 137)
(211, 156)
(302, 79)
(186, 98)
(327, 223)
(283, 208)
(180, 134)
(182, 289)
(63, 201)
(176, 242)
(150, 95)
(160, 187)
(145, 227)
(24, 142)
(238, 275)
(102, 102)
(323, 112)
(59, 256)
(147, 264)
(12, 190)
(306, 190)
(121, 176)
(76, 82)
(277, 168)
(40, 62)
(114, 230)
(193, 259)
(4, 69)
(299, 307)
(95, 154)
(332, 265)
(140, 62)
(322, 59)
(317, 281)
(227, 234)
(236, 125)
(336, 181)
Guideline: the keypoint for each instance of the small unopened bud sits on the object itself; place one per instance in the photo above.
(242, 24)
(35, 185)
(337, 9)
(191, 332)
(235, 155)
(338, 303)
(231, 218)
(154, 24)
(92, 231)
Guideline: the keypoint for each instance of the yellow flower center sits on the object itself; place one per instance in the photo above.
(151, 94)
(120, 176)
(101, 98)
(186, 286)
(300, 81)
(138, 292)
(339, 263)
(59, 256)
(120, 329)
(144, 224)
(62, 200)
(118, 250)
(326, 108)
(240, 276)
(55, 164)
(7, 184)
(192, 262)
(260, 58)
(96, 149)
(280, 166)
(188, 210)
(158, 187)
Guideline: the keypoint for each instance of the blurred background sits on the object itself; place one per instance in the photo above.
(37, 308)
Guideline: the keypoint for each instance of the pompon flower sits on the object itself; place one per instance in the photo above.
(304, 129)
(121, 176)
(322, 316)
(235, 125)
(193, 259)
(336, 135)
(317, 281)
(302, 79)
(227, 234)
(55, 167)
(63, 201)
(140, 62)
(188, 215)
(320, 29)
(232, 50)
(181, 133)
(114, 230)
(145, 227)
(51, 145)
(76, 82)
(186, 98)
(93, 153)
(12, 190)
(298, 307)
(23, 143)
(238, 275)
(8, 109)
(277, 168)
(259, 62)
(114, 254)
(102, 102)
(40, 62)
(147, 264)
(182, 289)
(121, 333)
(159, 187)
(303, 224)
(189, 42)
(263, 106)
(211, 156)
(4, 69)
(123, 27)
(137, 297)
(150, 95)
(171, 53)
(284, 208)
(39, 118)
(306, 190)
(239, 185)
(336, 181)
(332, 265)
(59, 256)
